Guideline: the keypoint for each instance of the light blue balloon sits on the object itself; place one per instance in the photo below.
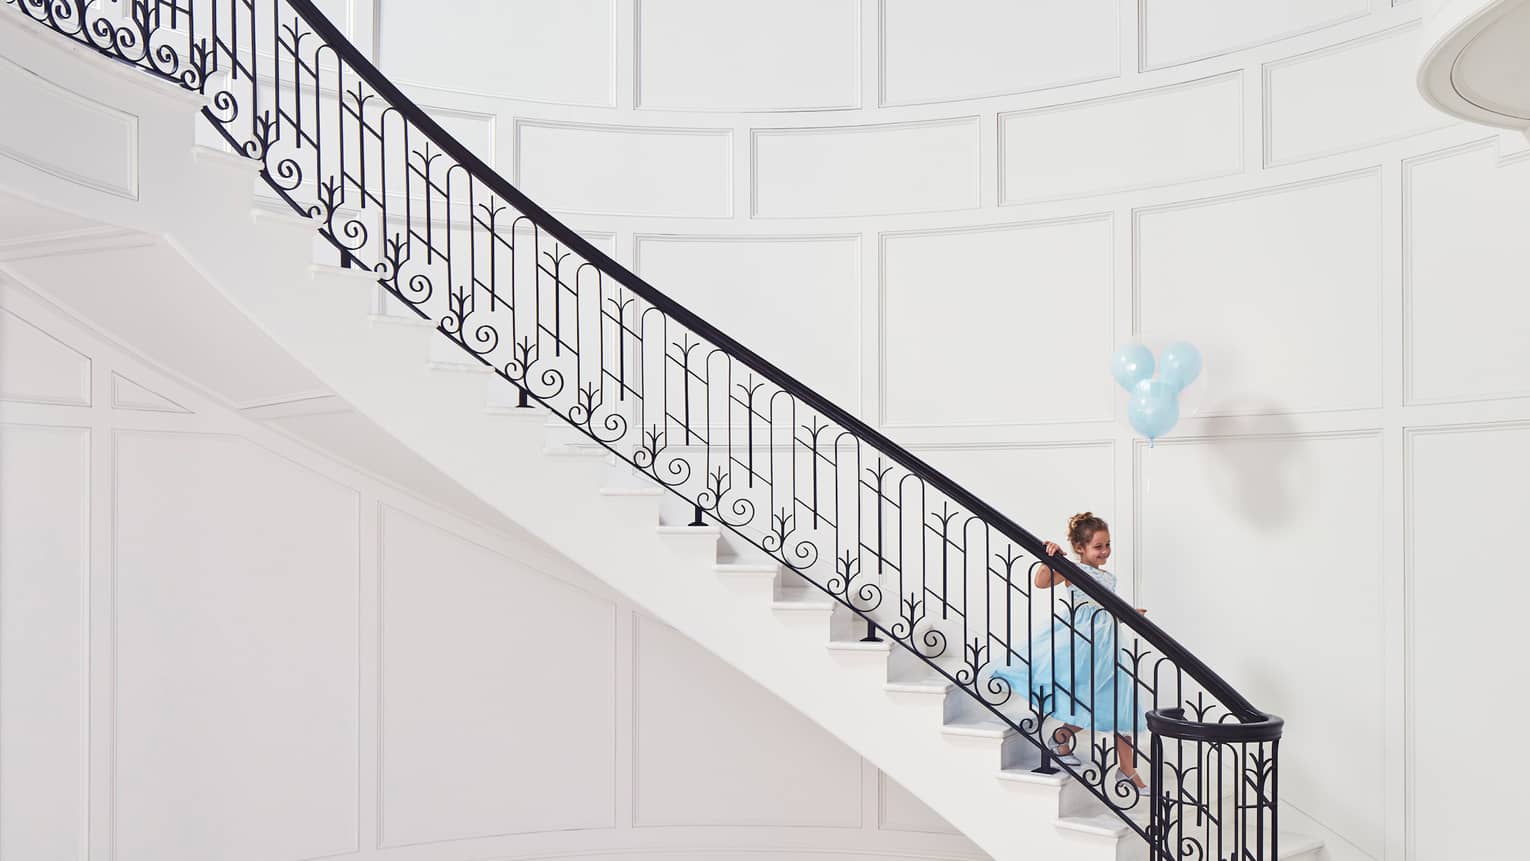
(1179, 364)
(1131, 364)
(1153, 409)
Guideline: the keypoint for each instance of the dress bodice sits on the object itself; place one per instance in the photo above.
(1100, 575)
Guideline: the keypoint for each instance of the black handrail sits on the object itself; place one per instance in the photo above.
(1167, 645)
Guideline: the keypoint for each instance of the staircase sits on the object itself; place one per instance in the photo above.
(763, 521)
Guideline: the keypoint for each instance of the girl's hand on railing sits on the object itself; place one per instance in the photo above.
(1052, 549)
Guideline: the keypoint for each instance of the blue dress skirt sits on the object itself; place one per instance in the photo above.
(1079, 685)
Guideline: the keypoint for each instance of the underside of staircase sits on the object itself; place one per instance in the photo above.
(716, 585)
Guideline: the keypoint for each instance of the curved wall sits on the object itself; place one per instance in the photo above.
(217, 642)
(946, 215)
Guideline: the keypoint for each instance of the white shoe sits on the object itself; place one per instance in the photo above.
(1065, 758)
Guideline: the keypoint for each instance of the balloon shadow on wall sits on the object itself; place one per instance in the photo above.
(1257, 465)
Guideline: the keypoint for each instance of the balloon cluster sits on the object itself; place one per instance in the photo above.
(1153, 408)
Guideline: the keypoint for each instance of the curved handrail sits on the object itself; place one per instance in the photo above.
(1118, 607)
(135, 42)
(1172, 723)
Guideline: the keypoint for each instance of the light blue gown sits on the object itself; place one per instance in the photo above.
(1075, 684)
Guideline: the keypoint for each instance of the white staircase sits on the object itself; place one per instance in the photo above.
(766, 622)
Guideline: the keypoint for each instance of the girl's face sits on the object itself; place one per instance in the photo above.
(1096, 550)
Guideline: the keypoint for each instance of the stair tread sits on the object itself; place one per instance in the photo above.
(805, 603)
(631, 491)
(1026, 775)
(920, 686)
(979, 727)
(858, 646)
(1102, 824)
(689, 530)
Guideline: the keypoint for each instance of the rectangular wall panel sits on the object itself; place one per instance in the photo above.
(1464, 636)
(866, 170)
(793, 300)
(84, 141)
(935, 52)
(708, 744)
(1467, 217)
(478, 736)
(1308, 114)
(1263, 556)
(1280, 288)
(626, 170)
(1178, 31)
(719, 55)
(44, 641)
(516, 49)
(981, 326)
(1153, 137)
(237, 653)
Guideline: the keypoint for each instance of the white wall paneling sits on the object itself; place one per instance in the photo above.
(36, 367)
(960, 344)
(719, 55)
(516, 49)
(631, 170)
(469, 747)
(693, 766)
(284, 657)
(865, 170)
(1178, 31)
(1291, 525)
(236, 652)
(939, 52)
(1249, 275)
(756, 289)
(1147, 138)
(44, 634)
(128, 395)
(1467, 212)
(1307, 116)
(102, 148)
(1462, 492)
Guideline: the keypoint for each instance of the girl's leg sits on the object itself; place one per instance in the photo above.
(1126, 755)
(1064, 736)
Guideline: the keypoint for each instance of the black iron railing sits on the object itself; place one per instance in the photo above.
(914, 557)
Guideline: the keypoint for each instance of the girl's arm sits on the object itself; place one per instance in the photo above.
(1046, 578)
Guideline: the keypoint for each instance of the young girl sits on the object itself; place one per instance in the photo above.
(1073, 674)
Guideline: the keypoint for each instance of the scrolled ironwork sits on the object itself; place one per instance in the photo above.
(896, 542)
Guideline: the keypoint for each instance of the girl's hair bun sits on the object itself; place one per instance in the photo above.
(1083, 526)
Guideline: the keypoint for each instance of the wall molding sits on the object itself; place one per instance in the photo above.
(884, 102)
(637, 77)
(126, 123)
(881, 419)
(974, 121)
(1267, 99)
(1083, 104)
(1409, 398)
(1138, 213)
(1143, 48)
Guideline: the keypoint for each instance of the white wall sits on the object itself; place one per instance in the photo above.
(1025, 185)
(217, 643)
